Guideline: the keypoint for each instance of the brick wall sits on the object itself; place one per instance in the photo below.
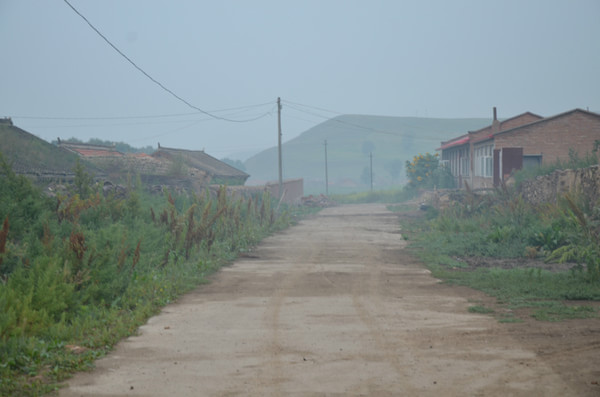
(554, 137)
(293, 189)
(523, 119)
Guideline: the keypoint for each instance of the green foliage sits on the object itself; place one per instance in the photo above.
(21, 202)
(82, 181)
(424, 171)
(86, 270)
(234, 163)
(480, 309)
(503, 225)
(582, 223)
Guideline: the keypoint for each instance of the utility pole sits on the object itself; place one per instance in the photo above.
(279, 146)
(326, 175)
(371, 167)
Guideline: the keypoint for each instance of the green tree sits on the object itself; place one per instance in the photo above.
(424, 171)
(235, 163)
(82, 181)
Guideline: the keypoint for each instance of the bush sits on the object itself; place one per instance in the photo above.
(84, 269)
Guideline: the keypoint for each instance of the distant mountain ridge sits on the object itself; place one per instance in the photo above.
(350, 140)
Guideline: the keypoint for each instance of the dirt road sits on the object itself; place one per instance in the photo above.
(335, 307)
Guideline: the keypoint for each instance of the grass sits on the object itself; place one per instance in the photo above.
(81, 271)
(480, 309)
(490, 233)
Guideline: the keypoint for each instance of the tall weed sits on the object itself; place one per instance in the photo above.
(86, 269)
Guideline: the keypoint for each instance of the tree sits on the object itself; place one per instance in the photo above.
(424, 171)
(234, 163)
(82, 180)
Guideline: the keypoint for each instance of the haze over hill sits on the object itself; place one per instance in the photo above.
(350, 140)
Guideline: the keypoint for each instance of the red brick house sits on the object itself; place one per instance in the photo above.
(486, 157)
(470, 156)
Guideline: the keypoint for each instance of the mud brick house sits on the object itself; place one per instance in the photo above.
(486, 157)
(217, 172)
(170, 167)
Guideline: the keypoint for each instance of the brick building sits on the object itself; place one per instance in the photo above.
(485, 157)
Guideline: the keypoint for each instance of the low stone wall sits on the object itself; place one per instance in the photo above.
(548, 188)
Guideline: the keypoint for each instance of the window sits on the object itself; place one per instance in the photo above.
(464, 166)
(484, 163)
(488, 166)
(532, 161)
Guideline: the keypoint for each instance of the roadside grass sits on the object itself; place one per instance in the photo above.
(81, 271)
(506, 228)
(480, 309)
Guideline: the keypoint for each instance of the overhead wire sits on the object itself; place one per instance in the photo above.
(156, 116)
(156, 81)
(105, 121)
(312, 107)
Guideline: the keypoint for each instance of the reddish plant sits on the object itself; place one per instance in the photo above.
(3, 236)
(77, 242)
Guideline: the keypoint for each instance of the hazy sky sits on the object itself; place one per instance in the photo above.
(448, 59)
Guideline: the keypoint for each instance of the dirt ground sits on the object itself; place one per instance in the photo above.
(336, 307)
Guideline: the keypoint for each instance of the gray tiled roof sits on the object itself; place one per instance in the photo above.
(202, 161)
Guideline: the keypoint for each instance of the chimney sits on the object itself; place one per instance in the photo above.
(495, 123)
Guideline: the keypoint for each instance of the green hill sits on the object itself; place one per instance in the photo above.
(29, 154)
(350, 139)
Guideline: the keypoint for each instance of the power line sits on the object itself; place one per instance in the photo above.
(156, 81)
(312, 107)
(104, 122)
(156, 116)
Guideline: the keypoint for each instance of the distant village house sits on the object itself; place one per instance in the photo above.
(489, 156)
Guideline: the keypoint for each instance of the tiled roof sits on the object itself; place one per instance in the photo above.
(97, 152)
(461, 140)
(544, 120)
(507, 121)
(88, 150)
(202, 161)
